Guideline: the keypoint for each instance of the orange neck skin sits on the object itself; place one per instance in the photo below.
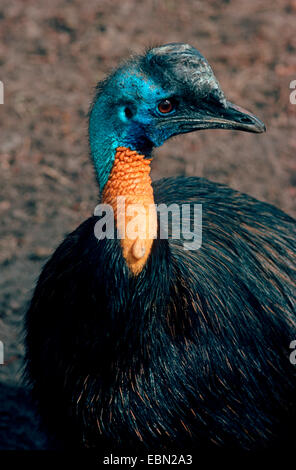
(129, 192)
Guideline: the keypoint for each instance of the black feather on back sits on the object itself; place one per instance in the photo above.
(192, 353)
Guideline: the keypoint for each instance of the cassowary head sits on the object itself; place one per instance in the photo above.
(168, 91)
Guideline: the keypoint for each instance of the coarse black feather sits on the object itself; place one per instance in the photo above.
(191, 353)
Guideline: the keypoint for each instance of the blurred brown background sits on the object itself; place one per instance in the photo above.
(51, 56)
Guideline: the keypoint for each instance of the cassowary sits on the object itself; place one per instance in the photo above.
(137, 342)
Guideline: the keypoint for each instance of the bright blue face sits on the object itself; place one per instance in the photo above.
(127, 113)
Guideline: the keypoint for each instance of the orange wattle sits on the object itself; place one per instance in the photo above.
(130, 179)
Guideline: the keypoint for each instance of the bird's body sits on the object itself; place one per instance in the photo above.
(189, 350)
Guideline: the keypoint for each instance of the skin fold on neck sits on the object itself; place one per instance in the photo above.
(129, 192)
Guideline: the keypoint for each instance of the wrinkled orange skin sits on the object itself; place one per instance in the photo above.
(130, 178)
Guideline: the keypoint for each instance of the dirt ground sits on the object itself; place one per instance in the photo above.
(51, 56)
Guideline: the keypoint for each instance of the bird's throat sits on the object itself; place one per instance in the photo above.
(129, 192)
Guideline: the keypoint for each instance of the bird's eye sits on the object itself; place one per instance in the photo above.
(128, 112)
(165, 106)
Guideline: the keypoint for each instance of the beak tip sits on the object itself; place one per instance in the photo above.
(254, 125)
(260, 128)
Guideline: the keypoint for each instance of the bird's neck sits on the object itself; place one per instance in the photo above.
(106, 135)
(129, 192)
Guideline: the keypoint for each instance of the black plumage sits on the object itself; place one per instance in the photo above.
(193, 352)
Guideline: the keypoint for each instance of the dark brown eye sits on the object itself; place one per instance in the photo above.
(165, 106)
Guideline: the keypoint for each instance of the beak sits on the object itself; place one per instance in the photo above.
(235, 117)
(215, 116)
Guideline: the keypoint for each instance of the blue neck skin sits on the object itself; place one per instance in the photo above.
(109, 127)
(106, 133)
(103, 143)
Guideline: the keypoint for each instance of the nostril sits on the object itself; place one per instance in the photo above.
(245, 119)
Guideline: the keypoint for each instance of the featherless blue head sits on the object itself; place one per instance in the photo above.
(168, 91)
